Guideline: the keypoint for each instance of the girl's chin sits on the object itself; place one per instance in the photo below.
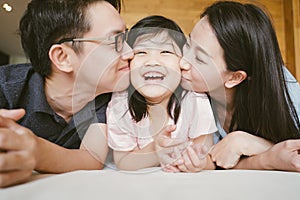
(155, 93)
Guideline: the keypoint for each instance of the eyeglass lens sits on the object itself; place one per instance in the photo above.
(120, 38)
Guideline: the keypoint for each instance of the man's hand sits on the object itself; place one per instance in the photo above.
(18, 144)
(14, 114)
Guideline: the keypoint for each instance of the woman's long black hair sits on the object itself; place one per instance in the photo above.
(262, 102)
(154, 25)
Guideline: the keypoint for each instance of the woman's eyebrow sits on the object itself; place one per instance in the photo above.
(198, 47)
(203, 51)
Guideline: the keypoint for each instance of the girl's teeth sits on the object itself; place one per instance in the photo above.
(154, 75)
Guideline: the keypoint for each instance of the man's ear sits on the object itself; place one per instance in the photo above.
(235, 78)
(60, 56)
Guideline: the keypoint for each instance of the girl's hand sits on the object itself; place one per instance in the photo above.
(166, 148)
(193, 159)
(229, 150)
(170, 168)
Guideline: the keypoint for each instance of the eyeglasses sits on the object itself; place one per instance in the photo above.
(117, 39)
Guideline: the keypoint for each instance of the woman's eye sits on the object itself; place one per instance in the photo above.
(200, 60)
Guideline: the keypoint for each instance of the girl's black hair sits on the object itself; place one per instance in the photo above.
(154, 25)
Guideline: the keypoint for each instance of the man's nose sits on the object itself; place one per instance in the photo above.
(127, 52)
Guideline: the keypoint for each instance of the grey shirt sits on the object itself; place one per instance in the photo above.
(22, 87)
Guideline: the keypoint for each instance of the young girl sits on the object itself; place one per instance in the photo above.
(155, 99)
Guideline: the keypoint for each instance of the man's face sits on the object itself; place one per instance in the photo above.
(99, 66)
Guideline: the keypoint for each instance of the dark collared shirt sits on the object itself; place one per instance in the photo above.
(21, 87)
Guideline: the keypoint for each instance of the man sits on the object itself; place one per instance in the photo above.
(78, 55)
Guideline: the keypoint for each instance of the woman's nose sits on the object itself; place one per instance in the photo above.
(184, 64)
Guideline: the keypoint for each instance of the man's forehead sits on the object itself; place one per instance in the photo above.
(105, 18)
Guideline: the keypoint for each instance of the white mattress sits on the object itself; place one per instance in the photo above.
(155, 184)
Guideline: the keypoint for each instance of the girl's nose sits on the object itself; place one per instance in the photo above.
(153, 59)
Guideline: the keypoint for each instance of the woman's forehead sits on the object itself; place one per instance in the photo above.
(204, 36)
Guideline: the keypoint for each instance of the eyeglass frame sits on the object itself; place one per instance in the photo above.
(123, 35)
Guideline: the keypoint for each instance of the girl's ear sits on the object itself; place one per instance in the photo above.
(235, 79)
(60, 56)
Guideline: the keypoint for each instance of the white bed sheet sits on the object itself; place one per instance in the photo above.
(155, 184)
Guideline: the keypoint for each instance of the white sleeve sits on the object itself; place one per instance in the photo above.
(120, 127)
(202, 119)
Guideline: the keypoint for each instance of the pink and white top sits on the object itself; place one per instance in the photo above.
(124, 134)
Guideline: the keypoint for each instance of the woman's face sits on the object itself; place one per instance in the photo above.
(203, 66)
(155, 71)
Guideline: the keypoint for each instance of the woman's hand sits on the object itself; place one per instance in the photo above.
(283, 156)
(229, 150)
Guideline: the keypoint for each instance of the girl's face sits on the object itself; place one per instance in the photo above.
(203, 65)
(155, 71)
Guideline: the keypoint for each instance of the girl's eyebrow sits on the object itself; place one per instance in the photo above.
(153, 45)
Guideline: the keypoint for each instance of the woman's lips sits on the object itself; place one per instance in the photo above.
(124, 68)
(185, 78)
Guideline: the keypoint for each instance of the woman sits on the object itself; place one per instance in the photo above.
(233, 54)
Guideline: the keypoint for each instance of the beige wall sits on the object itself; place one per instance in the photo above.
(186, 14)
(13, 59)
(296, 17)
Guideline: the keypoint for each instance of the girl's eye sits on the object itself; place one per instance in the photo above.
(187, 45)
(166, 52)
(139, 52)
